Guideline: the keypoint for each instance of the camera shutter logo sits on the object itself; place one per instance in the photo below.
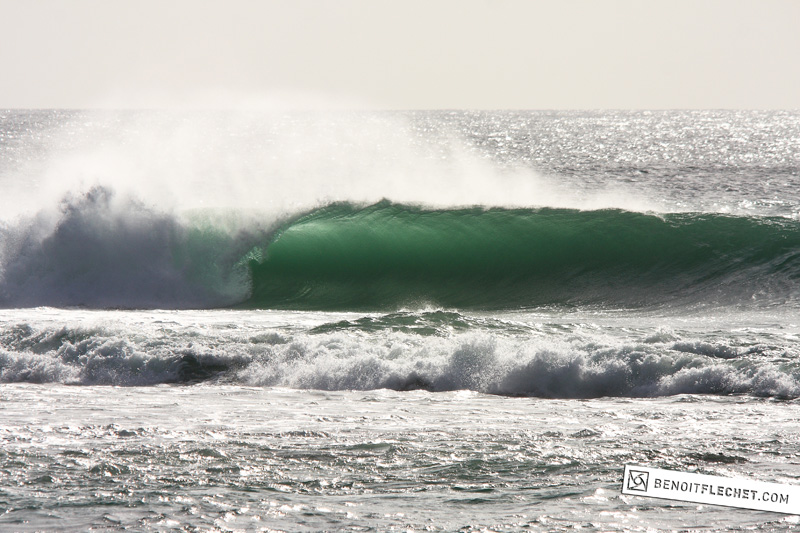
(637, 480)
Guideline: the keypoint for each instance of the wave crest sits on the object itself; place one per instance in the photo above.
(104, 251)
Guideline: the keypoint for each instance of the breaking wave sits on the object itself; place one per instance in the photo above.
(103, 251)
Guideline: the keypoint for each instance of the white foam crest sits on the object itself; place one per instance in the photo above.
(548, 367)
(557, 367)
(99, 356)
(35, 368)
(767, 380)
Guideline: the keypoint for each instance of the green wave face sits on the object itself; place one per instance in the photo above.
(389, 256)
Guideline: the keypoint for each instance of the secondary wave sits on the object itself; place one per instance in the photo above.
(389, 256)
(433, 351)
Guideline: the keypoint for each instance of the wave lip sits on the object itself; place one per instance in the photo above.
(390, 256)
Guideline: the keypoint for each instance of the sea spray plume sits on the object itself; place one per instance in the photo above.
(277, 162)
(100, 249)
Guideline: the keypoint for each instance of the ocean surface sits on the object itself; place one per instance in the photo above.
(394, 321)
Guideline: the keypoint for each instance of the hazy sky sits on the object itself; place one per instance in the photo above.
(401, 54)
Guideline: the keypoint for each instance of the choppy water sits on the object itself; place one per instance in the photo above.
(241, 458)
(424, 321)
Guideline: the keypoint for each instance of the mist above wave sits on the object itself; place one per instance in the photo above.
(276, 162)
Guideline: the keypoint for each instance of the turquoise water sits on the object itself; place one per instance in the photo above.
(388, 256)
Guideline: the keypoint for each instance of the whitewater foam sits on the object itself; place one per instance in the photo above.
(565, 360)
